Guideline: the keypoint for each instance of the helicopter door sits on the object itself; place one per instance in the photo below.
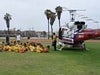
(60, 33)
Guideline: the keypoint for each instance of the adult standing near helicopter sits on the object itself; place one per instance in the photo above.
(54, 41)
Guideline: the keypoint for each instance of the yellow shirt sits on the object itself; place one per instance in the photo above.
(54, 38)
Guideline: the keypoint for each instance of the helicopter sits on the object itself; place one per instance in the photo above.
(75, 33)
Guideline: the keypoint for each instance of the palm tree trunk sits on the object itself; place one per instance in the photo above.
(8, 38)
(48, 29)
(59, 23)
(51, 30)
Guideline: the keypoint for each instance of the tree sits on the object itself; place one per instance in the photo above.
(52, 19)
(59, 11)
(44, 33)
(7, 18)
(48, 14)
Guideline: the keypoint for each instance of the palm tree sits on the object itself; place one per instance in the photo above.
(48, 13)
(59, 11)
(52, 19)
(7, 18)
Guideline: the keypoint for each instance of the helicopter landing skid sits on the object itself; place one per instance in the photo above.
(61, 46)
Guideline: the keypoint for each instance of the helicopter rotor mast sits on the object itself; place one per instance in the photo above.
(72, 14)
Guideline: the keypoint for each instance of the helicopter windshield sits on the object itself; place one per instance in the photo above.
(64, 33)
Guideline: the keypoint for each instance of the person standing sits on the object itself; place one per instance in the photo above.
(28, 38)
(18, 38)
(54, 41)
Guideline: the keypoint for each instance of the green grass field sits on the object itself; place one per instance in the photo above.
(66, 62)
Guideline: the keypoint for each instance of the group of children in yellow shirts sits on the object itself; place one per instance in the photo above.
(23, 47)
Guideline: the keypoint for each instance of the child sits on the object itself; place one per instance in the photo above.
(39, 48)
(32, 47)
(46, 49)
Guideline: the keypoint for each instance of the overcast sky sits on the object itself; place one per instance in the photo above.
(29, 14)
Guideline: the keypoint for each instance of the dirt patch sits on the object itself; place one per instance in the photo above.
(41, 40)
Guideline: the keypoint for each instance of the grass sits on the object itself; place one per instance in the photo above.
(66, 62)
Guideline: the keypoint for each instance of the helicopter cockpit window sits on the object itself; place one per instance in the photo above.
(80, 25)
(64, 32)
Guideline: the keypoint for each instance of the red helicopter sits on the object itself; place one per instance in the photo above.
(75, 33)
